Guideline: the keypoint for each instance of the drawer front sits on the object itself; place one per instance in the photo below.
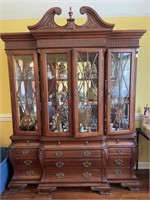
(118, 173)
(120, 141)
(120, 151)
(26, 161)
(26, 152)
(119, 160)
(74, 144)
(26, 144)
(73, 175)
(28, 173)
(87, 163)
(73, 154)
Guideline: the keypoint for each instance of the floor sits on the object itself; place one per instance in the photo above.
(117, 192)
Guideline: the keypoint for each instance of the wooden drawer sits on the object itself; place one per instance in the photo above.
(73, 175)
(73, 154)
(73, 144)
(25, 152)
(86, 163)
(120, 151)
(118, 173)
(26, 143)
(28, 173)
(26, 161)
(119, 160)
(119, 141)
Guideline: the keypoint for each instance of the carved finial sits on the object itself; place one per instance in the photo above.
(70, 12)
(70, 21)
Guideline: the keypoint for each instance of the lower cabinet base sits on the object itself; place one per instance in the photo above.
(45, 189)
(102, 188)
(133, 186)
(93, 163)
(20, 180)
(16, 186)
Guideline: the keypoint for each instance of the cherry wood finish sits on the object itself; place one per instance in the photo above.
(75, 158)
(117, 192)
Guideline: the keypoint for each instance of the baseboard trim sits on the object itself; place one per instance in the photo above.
(144, 165)
(5, 117)
(137, 116)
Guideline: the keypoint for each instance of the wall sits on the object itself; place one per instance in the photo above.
(143, 71)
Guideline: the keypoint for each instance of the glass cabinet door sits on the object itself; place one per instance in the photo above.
(88, 92)
(121, 90)
(58, 91)
(26, 97)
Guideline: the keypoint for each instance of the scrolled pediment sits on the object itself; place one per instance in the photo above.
(47, 22)
(94, 20)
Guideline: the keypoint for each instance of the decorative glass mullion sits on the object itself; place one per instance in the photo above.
(120, 90)
(87, 83)
(58, 89)
(25, 92)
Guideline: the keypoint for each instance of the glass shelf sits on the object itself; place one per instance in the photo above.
(19, 79)
(87, 79)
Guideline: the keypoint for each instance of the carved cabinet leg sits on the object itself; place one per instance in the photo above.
(46, 189)
(133, 186)
(16, 186)
(102, 188)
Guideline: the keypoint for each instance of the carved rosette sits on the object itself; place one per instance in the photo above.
(40, 154)
(41, 157)
(91, 23)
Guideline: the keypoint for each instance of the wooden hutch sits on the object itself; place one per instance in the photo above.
(73, 104)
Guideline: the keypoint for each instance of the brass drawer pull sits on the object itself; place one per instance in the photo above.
(60, 175)
(117, 172)
(86, 153)
(30, 172)
(58, 154)
(87, 175)
(119, 161)
(27, 162)
(58, 143)
(25, 151)
(117, 141)
(28, 142)
(87, 164)
(120, 151)
(59, 164)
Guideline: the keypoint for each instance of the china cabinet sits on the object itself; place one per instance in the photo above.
(73, 104)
